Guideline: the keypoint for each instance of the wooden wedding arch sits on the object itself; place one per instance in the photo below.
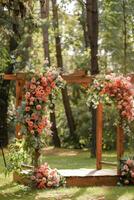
(79, 78)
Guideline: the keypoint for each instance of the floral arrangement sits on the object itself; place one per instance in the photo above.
(127, 171)
(33, 112)
(44, 177)
(112, 88)
(33, 118)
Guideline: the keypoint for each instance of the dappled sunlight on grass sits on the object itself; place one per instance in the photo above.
(12, 191)
(126, 196)
(63, 152)
(59, 194)
(68, 159)
(64, 159)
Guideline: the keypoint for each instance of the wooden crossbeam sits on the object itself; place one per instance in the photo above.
(18, 76)
(77, 79)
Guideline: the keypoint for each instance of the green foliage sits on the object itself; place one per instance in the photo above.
(4, 59)
(112, 35)
(17, 156)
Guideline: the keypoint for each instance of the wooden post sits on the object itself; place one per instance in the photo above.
(120, 144)
(99, 136)
(19, 93)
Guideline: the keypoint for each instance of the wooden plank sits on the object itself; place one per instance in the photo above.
(92, 181)
(18, 76)
(120, 143)
(78, 177)
(99, 128)
(70, 78)
(9, 76)
(109, 163)
(87, 172)
(77, 79)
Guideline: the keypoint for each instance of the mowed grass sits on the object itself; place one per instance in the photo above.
(64, 159)
(73, 159)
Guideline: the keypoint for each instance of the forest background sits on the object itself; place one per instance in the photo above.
(95, 36)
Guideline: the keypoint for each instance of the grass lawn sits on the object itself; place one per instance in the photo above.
(64, 159)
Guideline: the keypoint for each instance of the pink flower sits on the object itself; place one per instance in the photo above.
(27, 95)
(129, 162)
(32, 86)
(49, 183)
(125, 167)
(53, 85)
(123, 113)
(41, 185)
(30, 123)
(33, 80)
(31, 103)
(32, 132)
(44, 81)
(50, 78)
(132, 174)
(44, 98)
(27, 109)
(32, 99)
(119, 106)
(34, 116)
(48, 90)
(38, 107)
(39, 175)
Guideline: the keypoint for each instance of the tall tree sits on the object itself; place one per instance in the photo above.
(92, 24)
(116, 35)
(5, 85)
(83, 22)
(11, 14)
(65, 97)
(125, 35)
(44, 8)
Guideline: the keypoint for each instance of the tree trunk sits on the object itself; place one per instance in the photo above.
(59, 58)
(92, 24)
(44, 8)
(4, 98)
(83, 23)
(125, 35)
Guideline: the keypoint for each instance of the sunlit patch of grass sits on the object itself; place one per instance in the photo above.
(64, 159)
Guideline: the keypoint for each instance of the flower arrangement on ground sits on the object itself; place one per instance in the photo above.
(127, 171)
(115, 89)
(44, 177)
